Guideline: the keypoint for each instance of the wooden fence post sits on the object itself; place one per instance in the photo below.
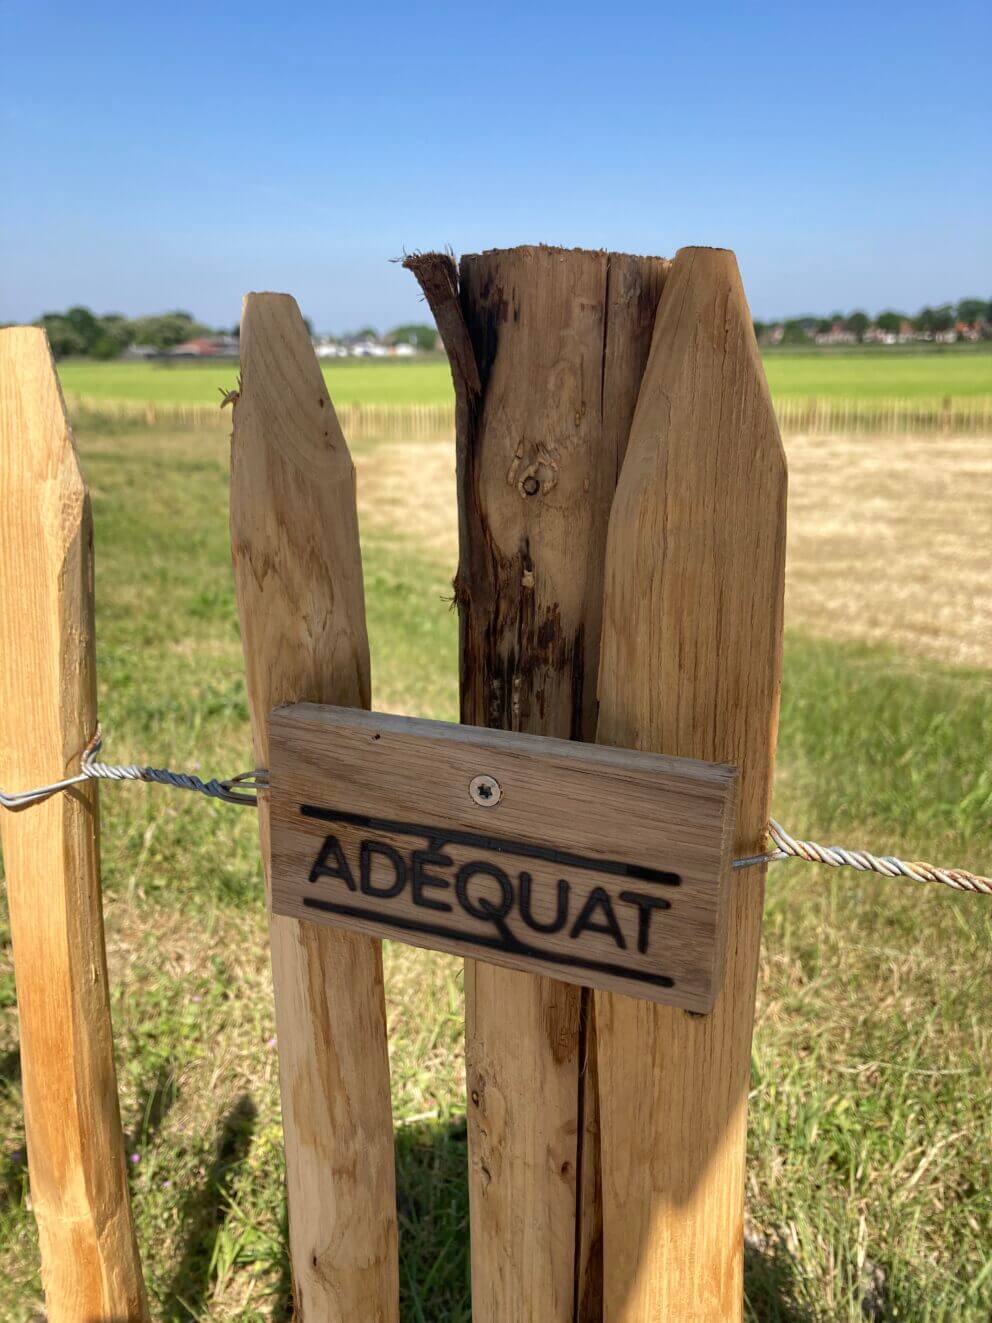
(298, 573)
(691, 666)
(89, 1258)
(547, 348)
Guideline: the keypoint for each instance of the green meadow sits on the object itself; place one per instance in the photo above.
(351, 381)
(903, 372)
(869, 1185)
(855, 374)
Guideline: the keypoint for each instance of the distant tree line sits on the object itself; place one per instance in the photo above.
(81, 332)
(418, 334)
(971, 318)
(78, 332)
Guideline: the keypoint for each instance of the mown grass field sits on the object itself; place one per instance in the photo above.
(354, 381)
(906, 372)
(870, 1142)
(931, 373)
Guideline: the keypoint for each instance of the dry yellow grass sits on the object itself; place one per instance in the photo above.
(889, 536)
(407, 488)
(890, 541)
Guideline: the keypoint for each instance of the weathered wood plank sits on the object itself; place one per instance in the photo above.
(297, 564)
(602, 866)
(89, 1259)
(546, 347)
(691, 665)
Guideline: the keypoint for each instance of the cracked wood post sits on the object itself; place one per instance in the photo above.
(547, 347)
(691, 665)
(89, 1259)
(298, 575)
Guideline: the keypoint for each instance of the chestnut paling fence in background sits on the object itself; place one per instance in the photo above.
(621, 489)
(812, 415)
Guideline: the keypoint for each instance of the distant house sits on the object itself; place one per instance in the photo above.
(207, 346)
(837, 335)
(369, 348)
(325, 346)
(365, 346)
(970, 331)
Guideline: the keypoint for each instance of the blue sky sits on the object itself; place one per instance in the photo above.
(158, 156)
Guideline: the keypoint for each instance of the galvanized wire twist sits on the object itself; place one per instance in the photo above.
(242, 789)
(90, 770)
(838, 856)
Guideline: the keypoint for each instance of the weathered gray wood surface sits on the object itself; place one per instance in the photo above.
(603, 866)
(547, 347)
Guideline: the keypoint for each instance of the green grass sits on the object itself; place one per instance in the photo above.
(902, 372)
(862, 374)
(870, 1139)
(357, 381)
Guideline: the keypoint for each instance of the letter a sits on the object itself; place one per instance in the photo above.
(331, 849)
(598, 899)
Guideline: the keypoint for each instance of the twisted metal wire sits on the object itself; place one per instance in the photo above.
(838, 856)
(243, 789)
(236, 790)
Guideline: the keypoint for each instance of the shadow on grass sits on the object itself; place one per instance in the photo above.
(432, 1203)
(773, 1287)
(432, 1207)
(10, 1067)
(282, 1296)
(775, 1290)
(156, 1103)
(204, 1213)
(13, 1158)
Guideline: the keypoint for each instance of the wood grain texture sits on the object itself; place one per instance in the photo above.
(602, 866)
(298, 573)
(89, 1259)
(547, 347)
(691, 665)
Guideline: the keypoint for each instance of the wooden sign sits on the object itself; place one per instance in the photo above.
(596, 865)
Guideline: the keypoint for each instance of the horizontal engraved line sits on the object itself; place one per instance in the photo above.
(496, 844)
(491, 943)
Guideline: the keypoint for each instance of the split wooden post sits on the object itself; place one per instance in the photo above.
(89, 1258)
(547, 347)
(691, 665)
(298, 572)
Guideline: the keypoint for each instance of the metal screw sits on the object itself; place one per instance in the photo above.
(485, 790)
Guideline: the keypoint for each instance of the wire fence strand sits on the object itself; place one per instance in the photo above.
(243, 789)
(888, 865)
(237, 790)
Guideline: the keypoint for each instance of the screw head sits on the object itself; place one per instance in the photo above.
(485, 790)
